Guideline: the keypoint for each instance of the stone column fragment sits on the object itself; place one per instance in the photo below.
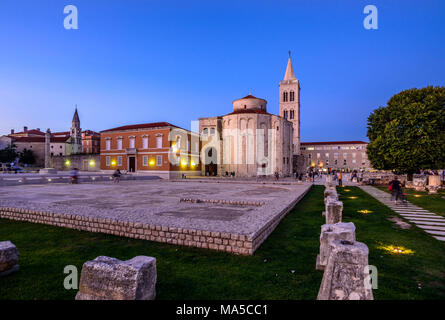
(344, 275)
(106, 278)
(9, 256)
(334, 211)
(329, 233)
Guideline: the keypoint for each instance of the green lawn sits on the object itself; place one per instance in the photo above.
(283, 267)
(431, 202)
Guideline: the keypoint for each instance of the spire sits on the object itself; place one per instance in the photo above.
(290, 75)
(76, 116)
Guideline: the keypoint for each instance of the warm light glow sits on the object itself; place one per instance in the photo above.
(49, 180)
(395, 249)
(152, 162)
(67, 163)
(353, 197)
(113, 162)
(347, 190)
(193, 163)
(364, 211)
(417, 195)
(183, 163)
(92, 163)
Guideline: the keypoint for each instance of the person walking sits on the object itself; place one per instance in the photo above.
(116, 176)
(74, 174)
(277, 176)
(340, 178)
(396, 189)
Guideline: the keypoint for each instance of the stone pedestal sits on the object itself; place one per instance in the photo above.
(329, 233)
(106, 278)
(334, 212)
(330, 191)
(344, 275)
(420, 183)
(9, 256)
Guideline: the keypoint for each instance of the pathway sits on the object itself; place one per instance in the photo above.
(428, 221)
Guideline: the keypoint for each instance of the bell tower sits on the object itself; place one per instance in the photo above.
(290, 103)
(76, 134)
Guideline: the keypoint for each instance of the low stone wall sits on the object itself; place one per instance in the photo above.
(16, 180)
(85, 162)
(228, 242)
(381, 178)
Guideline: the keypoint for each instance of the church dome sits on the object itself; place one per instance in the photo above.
(250, 103)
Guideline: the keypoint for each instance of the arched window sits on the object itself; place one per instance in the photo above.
(292, 96)
(285, 96)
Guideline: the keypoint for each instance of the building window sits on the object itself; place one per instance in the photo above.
(344, 162)
(145, 161)
(292, 114)
(108, 144)
(292, 96)
(345, 155)
(335, 162)
(284, 160)
(335, 155)
(159, 161)
(119, 144)
(285, 96)
(212, 131)
(158, 142)
(205, 131)
(353, 161)
(132, 142)
(145, 143)
(327, 155)
(119, 160)
(107, 159)
(285, 114)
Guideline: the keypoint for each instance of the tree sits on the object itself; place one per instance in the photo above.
(8, 154)
(27, 157)
(408, 134)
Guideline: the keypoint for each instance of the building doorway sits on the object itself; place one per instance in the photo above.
(131, 164)
(211, 168)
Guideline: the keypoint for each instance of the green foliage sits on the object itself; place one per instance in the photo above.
(27, 157)
(408, 134)
(8, 154)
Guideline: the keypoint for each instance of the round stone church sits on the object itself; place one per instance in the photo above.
(251, 142)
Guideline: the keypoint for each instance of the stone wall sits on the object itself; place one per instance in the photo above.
(83, 162)
(228, 242)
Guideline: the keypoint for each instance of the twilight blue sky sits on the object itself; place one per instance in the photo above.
(136, 61)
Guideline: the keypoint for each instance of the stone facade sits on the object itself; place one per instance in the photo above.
(249, 141)
(344, 155)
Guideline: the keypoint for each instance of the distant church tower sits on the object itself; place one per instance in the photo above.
(76, 134)
(290, 103)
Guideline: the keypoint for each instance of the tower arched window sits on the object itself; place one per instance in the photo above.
(292, 96)
(285, 96)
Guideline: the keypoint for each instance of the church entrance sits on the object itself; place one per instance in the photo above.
(211, 168)
(131, 164)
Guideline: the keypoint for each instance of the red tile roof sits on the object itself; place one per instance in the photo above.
(332, 142)
(38, 139)
(141, 126)
(32, 131)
